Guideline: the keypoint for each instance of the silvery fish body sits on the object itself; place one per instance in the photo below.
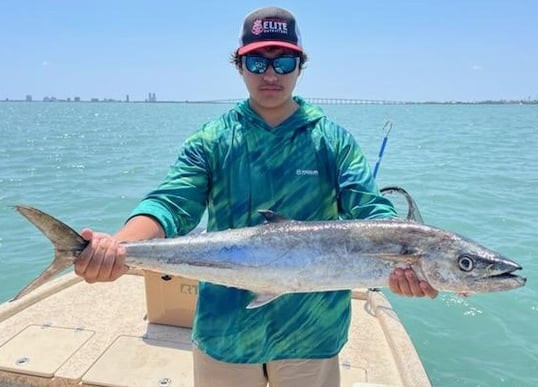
(293, 256)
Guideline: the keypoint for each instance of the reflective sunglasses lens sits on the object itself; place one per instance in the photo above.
(256, 64)
(284, 64)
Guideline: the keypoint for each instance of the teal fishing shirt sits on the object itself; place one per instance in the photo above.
(307, 168)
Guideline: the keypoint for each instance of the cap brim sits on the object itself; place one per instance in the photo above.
(254, 46)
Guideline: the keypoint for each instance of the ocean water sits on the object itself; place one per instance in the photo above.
(473, 169)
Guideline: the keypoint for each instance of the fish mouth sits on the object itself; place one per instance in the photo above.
(508, 277)
(505, 273)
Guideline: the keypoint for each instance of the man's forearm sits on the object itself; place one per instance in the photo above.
(140, 227)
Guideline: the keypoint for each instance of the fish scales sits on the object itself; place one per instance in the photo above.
(298, 256)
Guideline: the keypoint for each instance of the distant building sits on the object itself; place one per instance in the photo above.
(127, 98)
(28, 98)
(76, 99)
(94, 100)
(152, 97)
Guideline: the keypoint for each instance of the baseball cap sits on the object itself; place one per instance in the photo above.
(270, 26)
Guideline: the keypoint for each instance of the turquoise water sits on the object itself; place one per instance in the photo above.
(472, 169)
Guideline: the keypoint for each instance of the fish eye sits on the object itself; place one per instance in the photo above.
(466, 263)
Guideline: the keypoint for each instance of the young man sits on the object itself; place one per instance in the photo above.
(272, 151)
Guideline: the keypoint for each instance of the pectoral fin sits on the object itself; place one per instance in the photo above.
(261, 299)
(273, 217)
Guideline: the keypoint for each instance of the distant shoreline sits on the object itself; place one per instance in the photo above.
(318, 101)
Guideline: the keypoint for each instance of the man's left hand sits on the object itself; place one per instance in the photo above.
(404, 282)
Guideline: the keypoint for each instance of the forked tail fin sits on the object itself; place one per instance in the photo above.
(67, 245)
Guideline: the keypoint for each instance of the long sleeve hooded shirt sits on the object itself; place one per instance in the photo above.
(306, 168)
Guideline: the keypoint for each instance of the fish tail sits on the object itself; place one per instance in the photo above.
(67, 245)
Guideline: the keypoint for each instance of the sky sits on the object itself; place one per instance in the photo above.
(400, 50)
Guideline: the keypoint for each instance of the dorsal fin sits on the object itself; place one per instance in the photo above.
(273, 217)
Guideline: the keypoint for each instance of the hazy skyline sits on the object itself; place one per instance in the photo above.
(384, 50)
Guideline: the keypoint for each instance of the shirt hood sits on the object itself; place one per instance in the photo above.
(306, 115)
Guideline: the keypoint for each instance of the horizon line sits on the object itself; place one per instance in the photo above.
(314, 100)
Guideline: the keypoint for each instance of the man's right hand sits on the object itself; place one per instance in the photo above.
(102, 260)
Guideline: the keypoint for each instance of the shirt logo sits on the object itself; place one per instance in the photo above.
(307, 172)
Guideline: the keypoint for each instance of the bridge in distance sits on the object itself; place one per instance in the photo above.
(319, 101)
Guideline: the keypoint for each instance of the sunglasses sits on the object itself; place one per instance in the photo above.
(259, 64)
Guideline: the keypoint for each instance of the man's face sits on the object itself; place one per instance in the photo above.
(270, 90)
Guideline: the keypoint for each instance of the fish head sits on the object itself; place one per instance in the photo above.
(463, 266)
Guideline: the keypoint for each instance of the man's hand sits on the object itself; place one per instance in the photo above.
(404, 282)
(102, 260)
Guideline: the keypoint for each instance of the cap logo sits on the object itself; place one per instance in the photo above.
(269, 26)
(257, 27)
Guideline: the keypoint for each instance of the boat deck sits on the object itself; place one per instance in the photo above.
(70, 333)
